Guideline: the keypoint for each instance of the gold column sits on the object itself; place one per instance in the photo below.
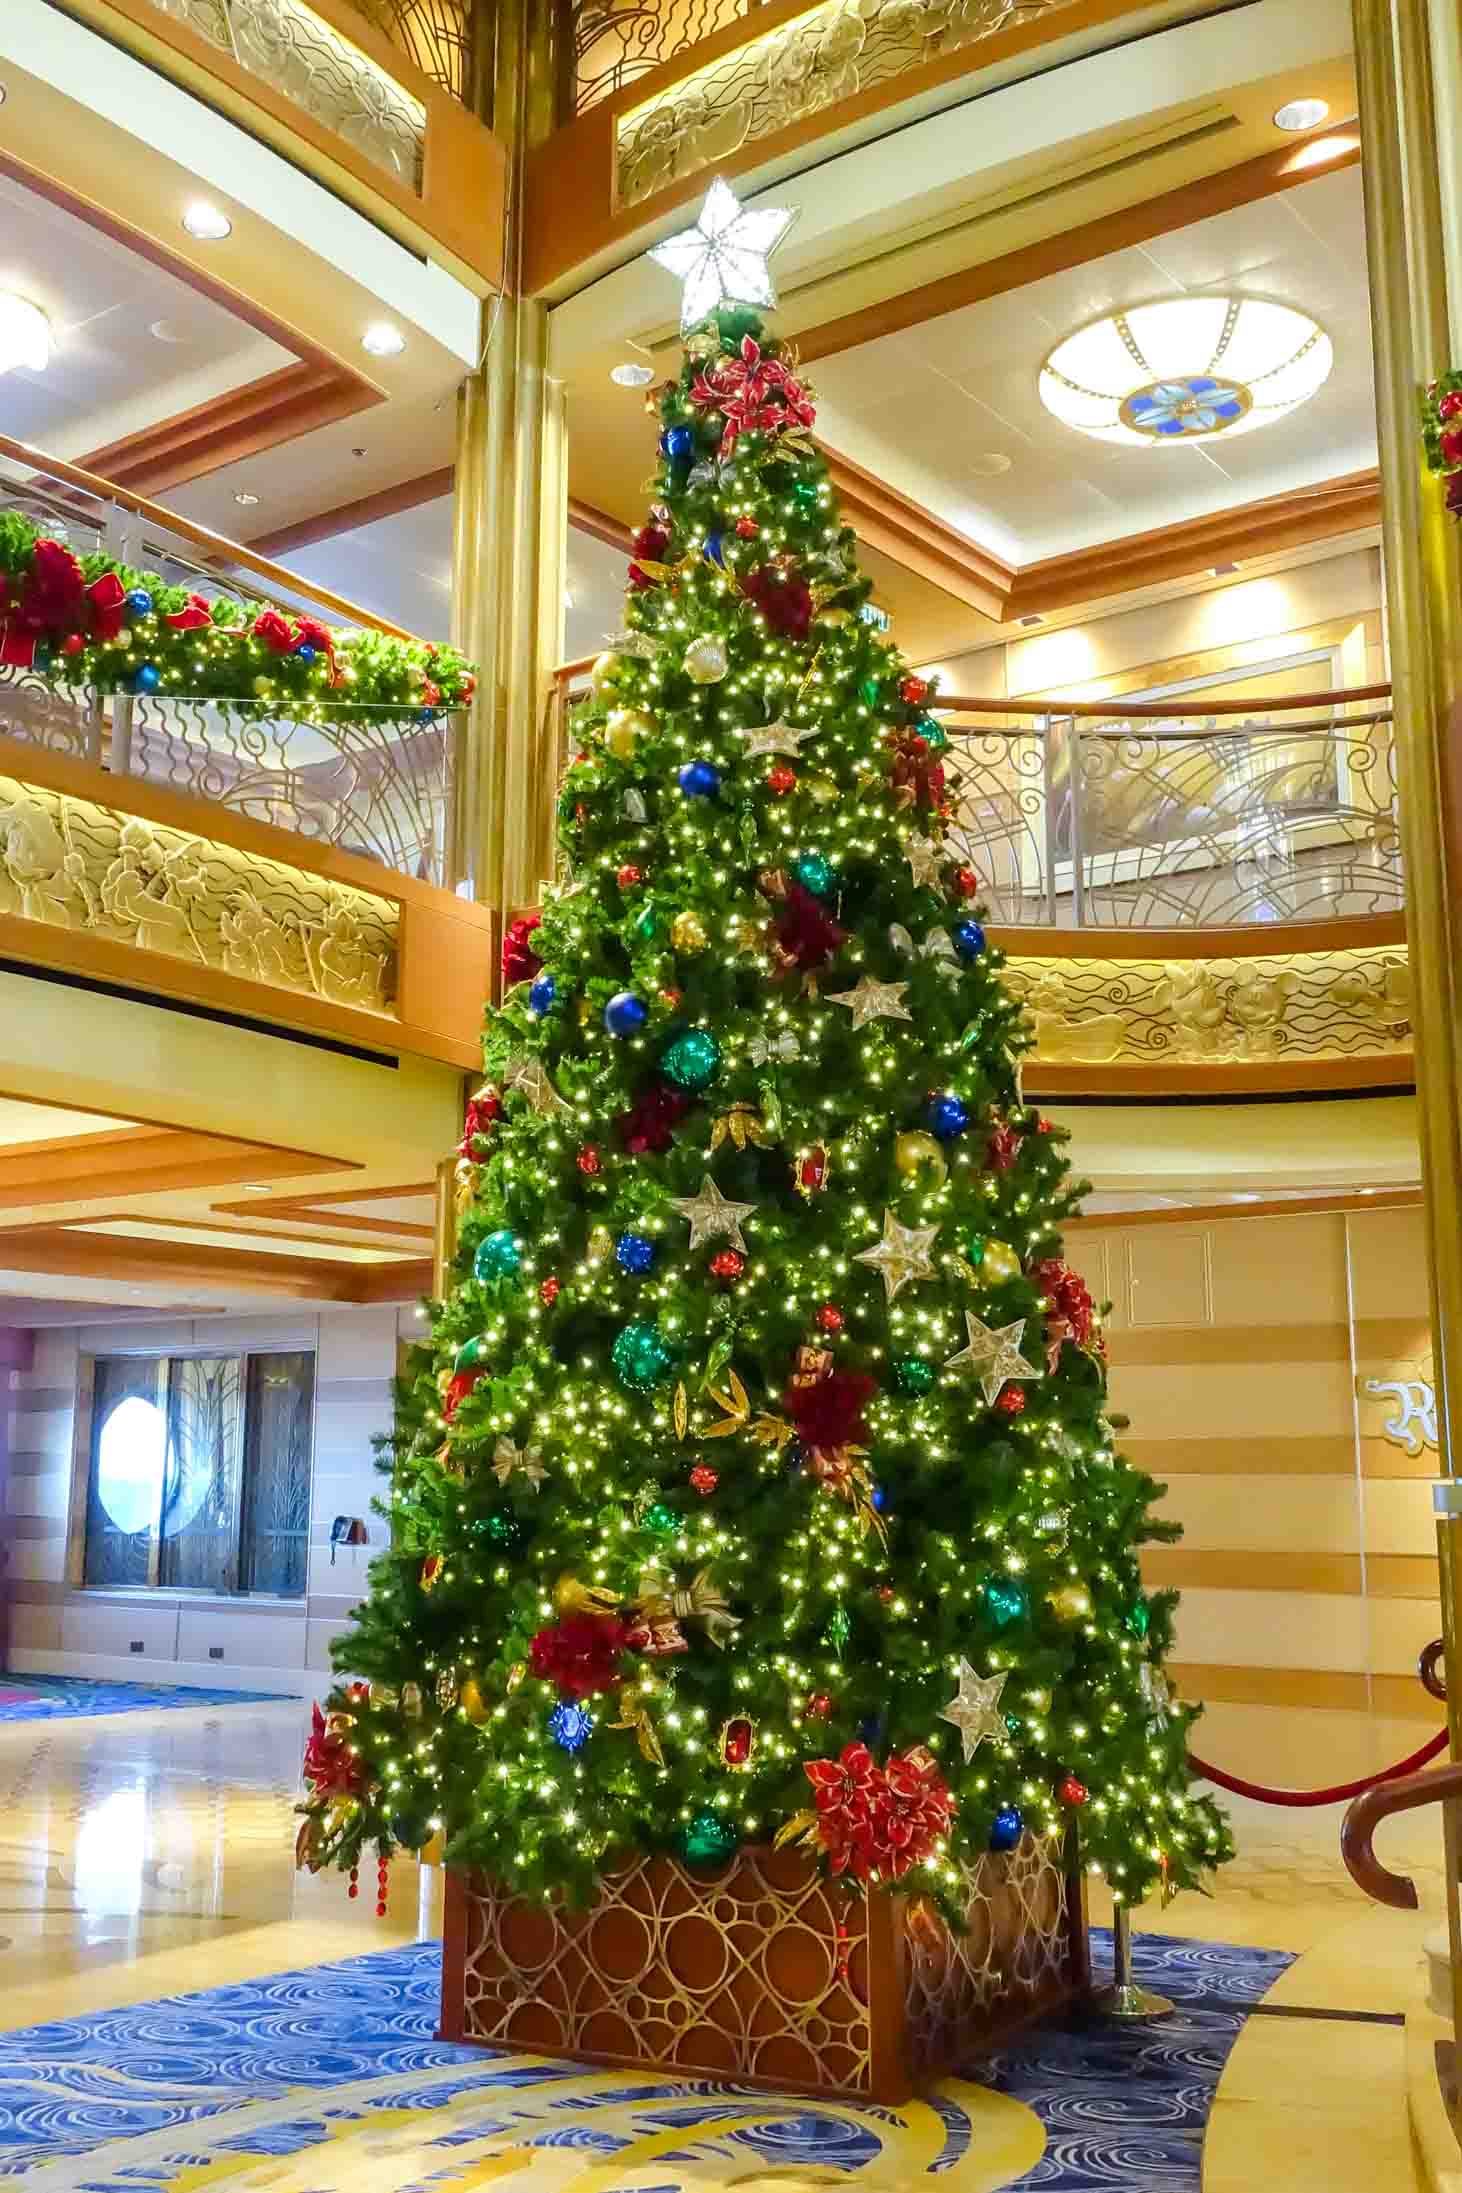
(1407, 76)
(511, 508)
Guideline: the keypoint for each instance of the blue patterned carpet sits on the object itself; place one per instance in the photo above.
(69, 1697)
(329, 2081)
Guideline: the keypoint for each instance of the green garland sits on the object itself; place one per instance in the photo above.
(93, 622)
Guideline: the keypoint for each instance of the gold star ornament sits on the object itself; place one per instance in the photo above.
(712, 1215)
(975, 1707)
(873, 1000)
(902, 1254)
(993, 1354)
(773, 738)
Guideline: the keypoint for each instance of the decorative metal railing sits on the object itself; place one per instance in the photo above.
(615, 43)
(290, 47)
(1237, 815)
(367, 780)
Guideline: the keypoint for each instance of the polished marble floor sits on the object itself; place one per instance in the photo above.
(150, 1854)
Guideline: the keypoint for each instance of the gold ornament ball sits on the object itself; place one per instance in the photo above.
(822, 791)
(913, 1151)
(833, 618)
(602, 675)
(998, 1263)
(1070, 1602)
(472, 1702)
(706, 659)
(624, 730)
(599, 1244)
(688, 934)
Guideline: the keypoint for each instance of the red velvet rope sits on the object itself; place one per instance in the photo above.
(1340, 1794)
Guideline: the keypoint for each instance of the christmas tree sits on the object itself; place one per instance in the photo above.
(755, 1482)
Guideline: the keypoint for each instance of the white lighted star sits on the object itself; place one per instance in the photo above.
(527, 1077)
(711, 1215)
(874, 1000)
(902, 1255)
(975, 1707)
(993, 1354)
(773, 738)
(924, 858)
(723, 259)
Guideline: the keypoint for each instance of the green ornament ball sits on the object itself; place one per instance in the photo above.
(503, 1530)
(498, 1255)
(662, 1518)
(814, 873)
(934, 735)
(692, 1061)
(871, 691)
(1138, 1618)
(472, 1354)
(646, 923)
(1005, 1602)
(707, 1839)
(642, 1356)
(911, 1374)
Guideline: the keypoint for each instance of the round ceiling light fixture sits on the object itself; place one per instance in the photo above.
(207, 222)
(383, 340)
(1300, 113)
(25, 335)
(632, 374)
(1185, 369)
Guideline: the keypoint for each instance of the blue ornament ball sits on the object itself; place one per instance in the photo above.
(879, 1499)
(1007, 1827)
(625, 1014)
(305, 652)
(948, 1116)
(969, 939)
(642, 1356)
(678, 443)
(814, 873)
(147, 679)
(700, 780)
(692, 1061)
(570, 1725)
(498, 1255)
(872, 1731)
(542, 994)
(635, 1253)
(715, 549)
(139, 602)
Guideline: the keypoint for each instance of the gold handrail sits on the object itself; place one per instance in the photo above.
(198, 536)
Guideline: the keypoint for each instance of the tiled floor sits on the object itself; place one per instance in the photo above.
(150, 1854)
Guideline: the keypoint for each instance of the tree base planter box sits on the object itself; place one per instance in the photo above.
(740, 1974)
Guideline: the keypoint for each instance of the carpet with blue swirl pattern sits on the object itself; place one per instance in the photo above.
(73, 1697)
(329, 2081)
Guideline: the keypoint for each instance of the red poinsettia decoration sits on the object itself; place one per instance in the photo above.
(783, 596)
(1072, 1315)
(919, 1808)
(873, 1819)
(650, 1122)
(826, 1406)
(580, 1654)
(915, 772)
(806, 934)
(483, 1113)
(520, 962)
(1003, 1148)
(757, 394)
(331, 1768)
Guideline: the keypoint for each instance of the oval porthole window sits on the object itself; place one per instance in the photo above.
(129, 1464)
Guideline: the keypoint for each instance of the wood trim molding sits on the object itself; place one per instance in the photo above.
(612, 531)
(257, 417)
(1319, 1077)
(426, 487)
(886, 519)
(73, 1253)
(1281, 939)
(317, 1208)
(1207, 1214)
(1334, 1690)
(142, 1161)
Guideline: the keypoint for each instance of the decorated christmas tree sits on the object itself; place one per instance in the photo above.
(755, 1483)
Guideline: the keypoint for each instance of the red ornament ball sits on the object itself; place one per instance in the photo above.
(1043, 1126)
(1071, 1791)
(705, 1479)
(966, 882)
(671, 998)
(887, 1594)
(1452, 445)
(628, 876)
(781, 779)
(747, 528)
(736, 1742)
(72, 644)
(830, 1318)
(820, 1706)
(728, 1264)
(1450, 405)
(548, 1291)
(1012, 1401)
(589, 1160)
(914, 690)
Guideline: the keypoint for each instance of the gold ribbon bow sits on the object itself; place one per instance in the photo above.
(702, 1600)
(634, 1714)
(508, 1456)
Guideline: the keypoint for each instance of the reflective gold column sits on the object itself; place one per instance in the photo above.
(511, 499)
(1407, 74)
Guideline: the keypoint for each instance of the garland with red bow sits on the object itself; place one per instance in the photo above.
(90, 621)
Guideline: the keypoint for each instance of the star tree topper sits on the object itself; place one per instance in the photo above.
(993, 1354)
(711, 1215)
(902, 1255)
(723, 259)
(975, 1707)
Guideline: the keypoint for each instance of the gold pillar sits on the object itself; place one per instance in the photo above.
(1408, 78)
(511, 501)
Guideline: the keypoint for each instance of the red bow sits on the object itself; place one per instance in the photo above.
(330, 1766)
(193, 616)
(309, 632)
(108, 600)
(48, 600)
(275, 631)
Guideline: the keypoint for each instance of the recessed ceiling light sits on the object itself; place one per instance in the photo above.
(382, 340)
(166, 331)
(1185, 369)
(359, 450)
(244, 499)
(25, 335)
(1032, 620)
(632, 375)
(207, 222)
(1300, 113)
(254, 1187)
(988, 464)
(1222, 570)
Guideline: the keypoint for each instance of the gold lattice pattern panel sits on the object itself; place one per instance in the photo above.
(738, 1976)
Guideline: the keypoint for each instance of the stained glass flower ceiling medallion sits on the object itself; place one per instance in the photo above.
(1186, 369)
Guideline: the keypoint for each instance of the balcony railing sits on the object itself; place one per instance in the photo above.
(358, 779)
(1237, 815)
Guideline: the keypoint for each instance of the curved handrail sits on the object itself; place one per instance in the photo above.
(1407, 1794)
